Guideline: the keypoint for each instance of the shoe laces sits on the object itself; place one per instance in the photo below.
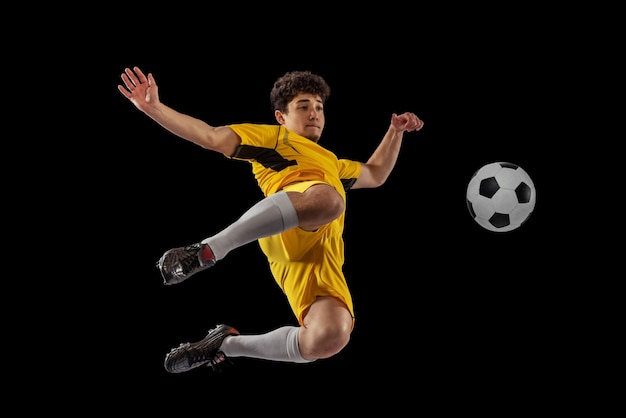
(197, 354)
(189, 259)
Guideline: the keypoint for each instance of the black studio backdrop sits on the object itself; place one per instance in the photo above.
(437, 297)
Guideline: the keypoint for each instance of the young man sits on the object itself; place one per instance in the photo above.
(299, 224)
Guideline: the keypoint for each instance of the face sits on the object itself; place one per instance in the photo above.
(305, 116)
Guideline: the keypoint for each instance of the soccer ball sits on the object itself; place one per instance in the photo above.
(500, 196)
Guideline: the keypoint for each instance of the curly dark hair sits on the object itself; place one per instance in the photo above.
(297, 82)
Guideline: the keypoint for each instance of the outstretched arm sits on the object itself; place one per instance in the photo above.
(377, 169)
(143, 92)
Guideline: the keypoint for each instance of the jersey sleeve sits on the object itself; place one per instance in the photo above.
(349, 172)
(255, 135)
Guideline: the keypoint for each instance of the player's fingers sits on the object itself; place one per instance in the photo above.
(417, 125)
(124, 91)
(140, 75)
(134, 80)
(127, 82)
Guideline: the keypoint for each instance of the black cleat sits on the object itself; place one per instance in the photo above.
(188, 356)
(178, 264)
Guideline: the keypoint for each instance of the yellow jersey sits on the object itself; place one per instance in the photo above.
(305, 264)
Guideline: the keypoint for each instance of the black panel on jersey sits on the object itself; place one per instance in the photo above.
(268, 158)
(348, 183)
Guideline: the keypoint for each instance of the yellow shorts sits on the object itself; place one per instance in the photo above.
(308, 264)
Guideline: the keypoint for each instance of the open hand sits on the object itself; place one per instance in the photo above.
(139, 89)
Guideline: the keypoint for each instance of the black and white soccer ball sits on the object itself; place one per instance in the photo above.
(501, 196)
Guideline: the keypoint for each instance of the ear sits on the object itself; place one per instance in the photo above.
(279, 117)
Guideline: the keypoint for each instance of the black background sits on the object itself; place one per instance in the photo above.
(449, 315)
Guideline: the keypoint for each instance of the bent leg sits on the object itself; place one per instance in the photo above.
(280, 344)
(270, 216)
(317, 205)
(326, 330)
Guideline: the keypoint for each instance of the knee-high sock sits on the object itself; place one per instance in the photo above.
(278, 345)
(270, 216)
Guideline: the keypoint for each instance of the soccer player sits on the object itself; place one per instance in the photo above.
(298, 224)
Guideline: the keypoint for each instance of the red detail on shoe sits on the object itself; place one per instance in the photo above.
(207, 253)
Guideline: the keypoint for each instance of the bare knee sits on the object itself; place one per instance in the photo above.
(320, 342)
(333, 204)
(317, 206)
(326, 329)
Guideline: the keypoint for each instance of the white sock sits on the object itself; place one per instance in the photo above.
(278, 345)
(270, 216)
